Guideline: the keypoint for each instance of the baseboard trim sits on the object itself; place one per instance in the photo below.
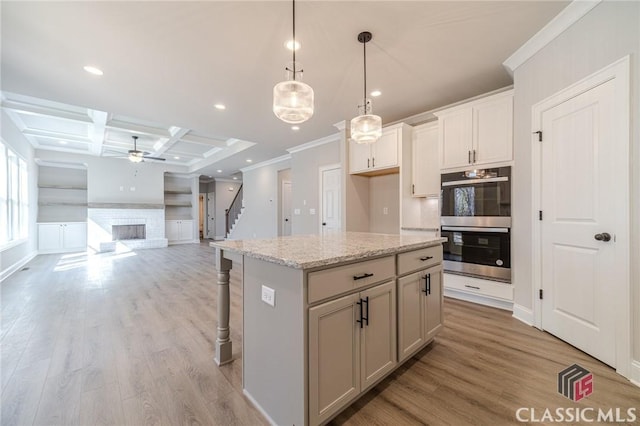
(479, 299)
(16, 266)
(258, 407)
(635, 373)
(523, 314)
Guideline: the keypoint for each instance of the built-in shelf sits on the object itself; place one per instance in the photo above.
(134, 206)
(177, 191)
(177, 203)
(62, 194)
(178, 198)
(47, 186)
(63, 203)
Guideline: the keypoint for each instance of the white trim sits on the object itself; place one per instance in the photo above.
(318, 142)
(183, 175)
(492, 302)
(620, 71)
(561, 22)
(341, 125)
(17, 266)
(224, 180)
(635, 373)
(523, 314)
(266, 163)
(258, 407)
(12, 243)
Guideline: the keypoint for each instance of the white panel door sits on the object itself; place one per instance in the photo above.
(286, 208)
(75, 236)
(49, 236)
(331, 199)
(384, 151)
(582, 204)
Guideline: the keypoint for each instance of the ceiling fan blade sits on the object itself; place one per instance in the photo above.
(153, 158)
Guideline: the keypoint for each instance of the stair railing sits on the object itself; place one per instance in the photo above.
(232, 213)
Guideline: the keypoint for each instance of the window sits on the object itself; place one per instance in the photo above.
(14, 196)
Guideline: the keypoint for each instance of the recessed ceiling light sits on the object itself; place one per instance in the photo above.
(289, 44)
(295, 127)
(93, 70)
(176, 157)
(210, 176)
(219, 171)
(220, 106)
(376, 93)
(235, 178)
(62, 142)
(249, 160)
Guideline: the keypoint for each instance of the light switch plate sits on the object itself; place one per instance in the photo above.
(312, 211)
(296, 211)
(268, 295)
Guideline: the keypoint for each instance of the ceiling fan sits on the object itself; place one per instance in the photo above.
(136, 156)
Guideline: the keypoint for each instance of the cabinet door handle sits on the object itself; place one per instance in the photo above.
(469, 155)
(359, 303)
(428, 284)
(474, 156)
(472, 286)
(368, 160)
(373, 161)
(413, 189)
(359, 277)
(426, 258)
(366, 315)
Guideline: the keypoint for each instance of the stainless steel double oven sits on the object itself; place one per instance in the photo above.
(476, 220)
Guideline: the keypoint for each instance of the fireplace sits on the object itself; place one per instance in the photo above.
(128, 232)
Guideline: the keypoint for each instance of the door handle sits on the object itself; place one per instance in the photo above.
(359, 303)
(605, 236)
(359, 277)
(428, 284)
(425, 284)
(324, 223)
(474, 156)
(366, 314)
(368, 161)
(286, 220)
(426, 258)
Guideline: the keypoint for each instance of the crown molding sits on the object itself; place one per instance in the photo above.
(266, 163)
(63, 164)
(563, 20)
(324, 140)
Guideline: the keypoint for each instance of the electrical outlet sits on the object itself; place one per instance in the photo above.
(385, 210)
(296, 211)
(132, 189)
(268, 295)
(312, 211)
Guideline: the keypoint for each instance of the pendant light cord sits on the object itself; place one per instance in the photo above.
(294, 40)
(364, 47)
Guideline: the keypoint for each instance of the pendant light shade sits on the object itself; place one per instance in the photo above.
(367, 127)
(293, 99)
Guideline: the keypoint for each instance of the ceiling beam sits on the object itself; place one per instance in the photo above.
(29, 109)
(205, 141)
(98, 130)
(138, 128)
(51, 134)
(163, 145)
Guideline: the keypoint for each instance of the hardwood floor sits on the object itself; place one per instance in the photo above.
(127, 339)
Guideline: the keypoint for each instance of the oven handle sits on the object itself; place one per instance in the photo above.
(474, 181)
(468, 228)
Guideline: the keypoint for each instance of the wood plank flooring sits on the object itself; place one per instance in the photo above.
(127, 339)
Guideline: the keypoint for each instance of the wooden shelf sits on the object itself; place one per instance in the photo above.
(178, 191)
(63, 203)
(177, 203)
(78, 188)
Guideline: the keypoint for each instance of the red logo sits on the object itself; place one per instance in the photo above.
(575, 382)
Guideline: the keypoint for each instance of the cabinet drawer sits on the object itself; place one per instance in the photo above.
(478, 286)
(341, 279)
(419, 259)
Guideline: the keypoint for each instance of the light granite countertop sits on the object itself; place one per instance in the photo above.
(312, 251)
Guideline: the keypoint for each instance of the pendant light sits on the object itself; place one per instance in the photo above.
(293, 99)
(367, 127)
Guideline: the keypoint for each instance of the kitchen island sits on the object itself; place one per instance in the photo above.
(326, 317)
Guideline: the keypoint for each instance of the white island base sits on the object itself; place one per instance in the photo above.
(326, 318)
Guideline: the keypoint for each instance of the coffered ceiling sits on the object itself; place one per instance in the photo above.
(166, 64)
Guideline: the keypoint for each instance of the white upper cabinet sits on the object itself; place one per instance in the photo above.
(381, 156)
(479, 132)
(425, 171)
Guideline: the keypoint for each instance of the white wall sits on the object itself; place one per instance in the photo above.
(384, 206)
(260, 189)
(305, 186)
(15, 256)
(607, 33)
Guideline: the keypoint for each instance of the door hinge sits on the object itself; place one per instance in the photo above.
(539, 214)
(539, 133)
(540, 294)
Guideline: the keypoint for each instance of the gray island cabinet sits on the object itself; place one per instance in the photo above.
(326, 317)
